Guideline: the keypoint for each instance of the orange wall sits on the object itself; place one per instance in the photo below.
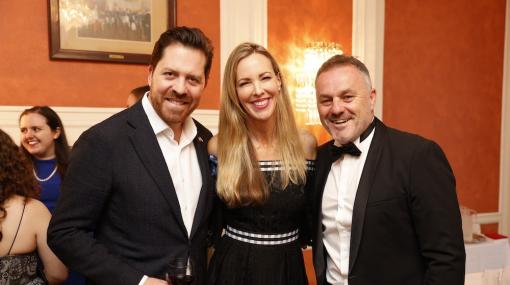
(289, 30)
(443, 63)
(28, 77)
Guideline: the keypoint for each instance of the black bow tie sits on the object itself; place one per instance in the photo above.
(338, 151)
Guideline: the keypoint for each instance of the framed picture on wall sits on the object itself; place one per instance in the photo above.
(108, 30)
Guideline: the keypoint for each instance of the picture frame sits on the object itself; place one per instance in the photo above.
(121, 31)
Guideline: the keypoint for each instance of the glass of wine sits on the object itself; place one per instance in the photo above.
(179, 272)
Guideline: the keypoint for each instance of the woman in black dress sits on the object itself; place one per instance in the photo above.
(263, 165)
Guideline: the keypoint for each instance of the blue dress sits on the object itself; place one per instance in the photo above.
(262, 244)
(50, 191)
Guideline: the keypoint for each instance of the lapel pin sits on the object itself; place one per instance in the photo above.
(200, 139)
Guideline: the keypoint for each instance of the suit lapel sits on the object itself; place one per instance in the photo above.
(203, 161)
(146, 146)
(362, 194)
(323, 166)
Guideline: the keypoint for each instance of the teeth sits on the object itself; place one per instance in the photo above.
(176, 102)
(260, 103)
(339, 121)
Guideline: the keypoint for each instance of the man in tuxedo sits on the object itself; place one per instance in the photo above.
(138, 192)
(385, 207)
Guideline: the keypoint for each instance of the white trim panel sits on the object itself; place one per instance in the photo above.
(241, 21)
(504, 166)
(368, 42)
(78, 119)
(488, 218)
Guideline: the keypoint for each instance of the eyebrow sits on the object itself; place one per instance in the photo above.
(198, 78)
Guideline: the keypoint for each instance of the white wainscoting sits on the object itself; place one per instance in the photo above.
(78, 119)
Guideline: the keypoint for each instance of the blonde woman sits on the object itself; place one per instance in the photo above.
(263, 162)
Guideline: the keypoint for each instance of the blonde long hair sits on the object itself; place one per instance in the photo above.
(240, 181)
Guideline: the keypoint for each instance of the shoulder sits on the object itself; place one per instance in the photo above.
(400, 137)
(413, 146)
(36, 209)
(212, 145)
(309, 143)
(108, 133)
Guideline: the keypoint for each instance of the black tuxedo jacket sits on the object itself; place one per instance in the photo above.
(406, 225)
(118, 217)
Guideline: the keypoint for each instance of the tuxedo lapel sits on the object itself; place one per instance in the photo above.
(323, 166)
(146, 146)
(202, 155)
(363, 191)
(324, 161)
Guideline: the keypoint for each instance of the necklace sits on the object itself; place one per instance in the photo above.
(47, 178)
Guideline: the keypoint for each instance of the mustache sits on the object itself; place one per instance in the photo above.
(181, 97)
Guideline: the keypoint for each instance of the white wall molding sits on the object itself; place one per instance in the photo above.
(504, 166)
(241, 21)
(78, 119)
(488, 218)
(368, 42)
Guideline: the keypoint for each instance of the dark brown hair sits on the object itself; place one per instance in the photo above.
(188, 37)
(61, 145)
(140, 91)
(16, 176)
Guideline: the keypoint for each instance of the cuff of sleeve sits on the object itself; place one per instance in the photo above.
(144, 278)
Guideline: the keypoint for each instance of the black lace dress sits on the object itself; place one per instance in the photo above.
(261, 245)
(20, 269)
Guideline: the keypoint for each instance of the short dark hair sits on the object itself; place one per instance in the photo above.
(140, 91)
(61, 145)
(188, 37)
(342, 60)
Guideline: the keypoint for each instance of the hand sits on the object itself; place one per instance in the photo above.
(155, 281)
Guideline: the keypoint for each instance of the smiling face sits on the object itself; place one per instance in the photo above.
(345, 102)
(257, 86)
(37, 137)
(176, 84)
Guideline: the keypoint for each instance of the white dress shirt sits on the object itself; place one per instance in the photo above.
(181, 160)
(337, 205)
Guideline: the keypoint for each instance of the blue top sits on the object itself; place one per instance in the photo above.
(50, 190)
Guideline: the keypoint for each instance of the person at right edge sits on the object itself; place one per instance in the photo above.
(385, 206)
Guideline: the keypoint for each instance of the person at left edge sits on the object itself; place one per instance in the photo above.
(138, 192)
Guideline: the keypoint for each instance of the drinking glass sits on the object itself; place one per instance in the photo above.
(179, 272)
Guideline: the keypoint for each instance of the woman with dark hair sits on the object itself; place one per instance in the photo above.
(44, 141)
(23, 223)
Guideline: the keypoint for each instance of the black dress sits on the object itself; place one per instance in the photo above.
(261, 245)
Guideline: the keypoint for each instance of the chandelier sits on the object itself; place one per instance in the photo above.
(315, 54)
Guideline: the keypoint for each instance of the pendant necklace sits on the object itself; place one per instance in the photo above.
(47, 178)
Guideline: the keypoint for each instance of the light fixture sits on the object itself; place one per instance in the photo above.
(315, 54)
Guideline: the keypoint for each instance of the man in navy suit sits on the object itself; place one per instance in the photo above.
(138, 192)
(385, 207)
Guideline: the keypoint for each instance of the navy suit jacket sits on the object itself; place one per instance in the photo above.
(406, 225)
(118, 217)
